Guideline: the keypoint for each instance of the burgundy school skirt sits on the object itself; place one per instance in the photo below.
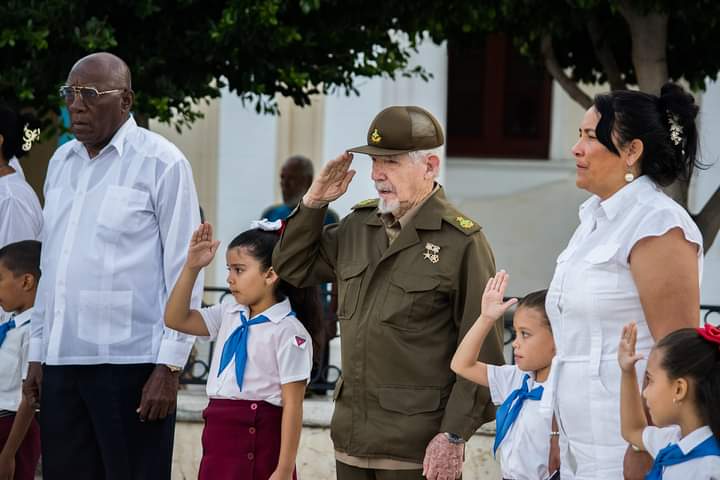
(241, 440)
(28, 455)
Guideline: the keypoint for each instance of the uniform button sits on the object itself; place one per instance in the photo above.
(251, 456)
(251, 430)
(253, 406)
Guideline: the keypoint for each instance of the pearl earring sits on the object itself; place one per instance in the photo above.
(629, 177)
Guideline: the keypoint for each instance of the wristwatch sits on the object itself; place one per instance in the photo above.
(454, 439)
(173, 368)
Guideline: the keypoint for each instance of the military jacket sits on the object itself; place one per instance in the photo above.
(403, 309)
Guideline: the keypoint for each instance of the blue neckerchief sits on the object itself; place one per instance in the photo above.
(672, 455)
(236, 347)
(5, 328)
(508, 412)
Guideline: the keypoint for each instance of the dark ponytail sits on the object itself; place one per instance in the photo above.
(685, 353)
(305, 302)
(13, 127)
(626, 115)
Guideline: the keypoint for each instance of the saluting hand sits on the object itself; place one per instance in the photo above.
(331, 183)
(202, 247)
(493, 304)
(626, 349)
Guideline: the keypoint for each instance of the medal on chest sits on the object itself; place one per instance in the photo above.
(431, 253)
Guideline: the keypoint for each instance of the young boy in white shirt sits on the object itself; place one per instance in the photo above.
(19, 431)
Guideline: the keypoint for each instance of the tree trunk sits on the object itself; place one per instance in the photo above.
(648, 31)
(708, 220)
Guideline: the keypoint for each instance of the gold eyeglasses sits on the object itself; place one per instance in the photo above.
(88, 94)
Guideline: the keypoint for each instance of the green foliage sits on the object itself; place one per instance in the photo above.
(185, 51)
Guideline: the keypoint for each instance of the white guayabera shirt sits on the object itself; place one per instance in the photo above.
(117, 228)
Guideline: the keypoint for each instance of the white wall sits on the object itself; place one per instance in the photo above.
(246, 171)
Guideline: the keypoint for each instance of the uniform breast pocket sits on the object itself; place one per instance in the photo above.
(123, 209)
(351, 276)
(411, 301)
(603, 267)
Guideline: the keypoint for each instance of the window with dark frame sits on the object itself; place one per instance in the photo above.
(498, 103)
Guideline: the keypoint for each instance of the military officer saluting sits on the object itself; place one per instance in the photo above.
(410, 270)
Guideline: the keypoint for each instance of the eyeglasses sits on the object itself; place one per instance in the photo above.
(88, 94)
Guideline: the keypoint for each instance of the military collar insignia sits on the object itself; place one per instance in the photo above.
(464, 222)
(375, 136)
(431, 253)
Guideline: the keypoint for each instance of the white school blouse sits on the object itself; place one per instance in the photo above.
(703, 468)
(591, 297)
(14, 361)
(525, 450)
(279, 352)
(117, 228)
(20, 211)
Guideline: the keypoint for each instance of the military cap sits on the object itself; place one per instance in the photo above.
(402, 129)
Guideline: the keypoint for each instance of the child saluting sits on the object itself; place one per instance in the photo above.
(683, 397)
(262, 359)
(523, 427)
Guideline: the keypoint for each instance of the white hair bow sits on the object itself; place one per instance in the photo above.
(266, 225)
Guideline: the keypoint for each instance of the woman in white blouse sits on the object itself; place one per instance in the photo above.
(20, 212)
(636, 256)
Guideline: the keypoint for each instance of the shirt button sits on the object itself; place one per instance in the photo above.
(251, 430)
(251, 456)
(253, 406)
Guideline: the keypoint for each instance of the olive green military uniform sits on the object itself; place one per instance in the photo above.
(403, 308)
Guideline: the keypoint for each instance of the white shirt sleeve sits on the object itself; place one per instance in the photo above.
(503, 379)
(213, 317)
(655, 439)
(661, 221)
(178, 215)
(15, 225)
(294, 354)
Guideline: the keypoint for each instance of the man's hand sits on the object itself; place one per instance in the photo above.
(443, 460)
(636, 464)
(32, 386)
(159, 395)
(7, 466)
(331, 183)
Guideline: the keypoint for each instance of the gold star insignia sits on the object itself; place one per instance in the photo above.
(375, 136)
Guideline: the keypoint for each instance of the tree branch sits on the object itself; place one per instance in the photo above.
(605, 55)
(552, 65)
(708, 220)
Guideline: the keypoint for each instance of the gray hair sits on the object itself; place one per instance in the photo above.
(419, 155)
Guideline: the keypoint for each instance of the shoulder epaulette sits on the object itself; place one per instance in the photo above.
(369, 203)
(462, 223)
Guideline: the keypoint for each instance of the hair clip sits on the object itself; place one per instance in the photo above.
(710, 333)
(29, 136)
(266, 225)
(676, 130)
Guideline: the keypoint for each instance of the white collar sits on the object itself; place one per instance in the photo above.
(618, 201)
(118, 140)
(275, 314)
(694, 438)
(22, 318)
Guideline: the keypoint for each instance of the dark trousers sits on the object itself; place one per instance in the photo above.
(347, 472)
(90, 427)
(28, 454)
